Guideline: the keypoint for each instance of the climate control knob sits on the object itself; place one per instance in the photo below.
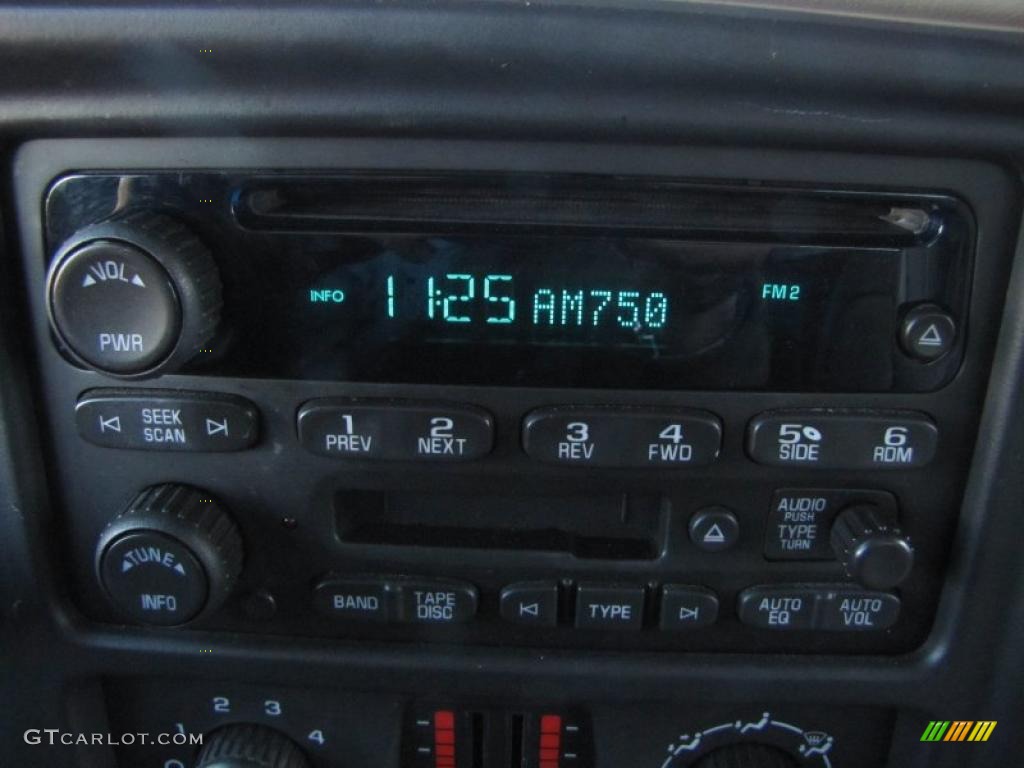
(134, 296)
(250, 746)
(172, 555)
(871, 547)
(747, 755)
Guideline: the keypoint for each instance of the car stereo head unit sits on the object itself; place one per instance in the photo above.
(520, 280)
(723, 403)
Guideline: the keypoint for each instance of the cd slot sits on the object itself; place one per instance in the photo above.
(577, 204)
(610, 527)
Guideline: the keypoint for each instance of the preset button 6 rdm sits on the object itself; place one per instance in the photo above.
(825, 439)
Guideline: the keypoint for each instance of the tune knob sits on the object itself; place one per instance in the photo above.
(173, 554)
(250, 746)
(872, 548)
(134, 296)
(747, 755)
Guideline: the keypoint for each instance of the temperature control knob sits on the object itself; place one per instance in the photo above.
(250, 746)
(134, 296)
(171, 555)
(747, 755)
(871, 546)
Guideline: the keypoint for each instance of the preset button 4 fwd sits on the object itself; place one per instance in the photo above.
(622, 437)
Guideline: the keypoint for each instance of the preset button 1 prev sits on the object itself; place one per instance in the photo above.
(622, 437)
(398, 431)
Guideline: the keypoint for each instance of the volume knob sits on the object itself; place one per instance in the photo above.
(137, 295)
(171, 555)
(250, 746)
(871, 547)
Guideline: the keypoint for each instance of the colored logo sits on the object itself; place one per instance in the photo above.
(958, 730)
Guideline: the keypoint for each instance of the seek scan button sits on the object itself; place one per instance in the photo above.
(166, 420)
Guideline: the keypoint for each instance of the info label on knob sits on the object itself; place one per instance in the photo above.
(154, 578)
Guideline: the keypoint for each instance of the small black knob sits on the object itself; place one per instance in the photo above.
(134, 296)
(250, 746)
(173, 554)
(872, 548)
(747, 755)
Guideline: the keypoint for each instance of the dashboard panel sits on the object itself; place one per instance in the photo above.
(592, 406)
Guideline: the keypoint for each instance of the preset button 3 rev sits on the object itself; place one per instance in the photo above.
(622, 437)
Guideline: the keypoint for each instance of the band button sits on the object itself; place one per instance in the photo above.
(352, 599)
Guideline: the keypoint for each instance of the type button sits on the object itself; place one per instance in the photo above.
(601, 606)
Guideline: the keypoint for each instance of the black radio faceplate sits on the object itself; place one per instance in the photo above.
(779, 508)
(567, 281)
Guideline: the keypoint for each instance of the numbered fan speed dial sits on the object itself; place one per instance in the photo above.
(747, 755)
(250, 746)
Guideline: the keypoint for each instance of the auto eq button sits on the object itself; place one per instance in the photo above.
(819, 439)
(166, 420)
(784, 607)
(622, 437)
